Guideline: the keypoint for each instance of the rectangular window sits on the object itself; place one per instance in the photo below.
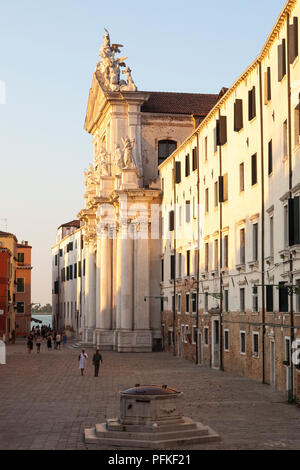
(283, 298)
(255, 303)
(179, 264)
(162, 270)
(21, 258)
(255, 241)
(255, 344)
(71, 271)
(223, 188)
(270, 157)
(268, 93)
(177, 172)
(187, 165)
(242, 299)
(251, 104)
(206, 256)
(238, 115)
(187, 303)
(172, 266)
(194, 302)
(188, 211)
(20, 284)
(216, 245)
(171, 221)
(226, 340)
(179, 303)
(55, 262)
(20, 307)
(226, 251)
(243, 342)
(75, 270)
(269, 298)
(293, 43)
(216, 194)
(242, 179)
(205, 148)
(281, 61)
(206, 336)
(60, 252)
(254, 169)
(206, 200)
(286, 226)
(79, 268)
(226, 301)
(242, 246)
(55, 287)
(287, 352)
(68, 273)
(188, 262)
(222, 130)
(170, 337)
(294, 222)
(84, 267)
(195, 159)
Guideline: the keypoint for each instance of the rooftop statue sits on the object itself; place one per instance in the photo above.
(109, 67)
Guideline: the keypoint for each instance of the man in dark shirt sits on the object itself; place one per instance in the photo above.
(96, 361)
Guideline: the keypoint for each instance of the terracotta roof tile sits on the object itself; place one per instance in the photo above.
(179, 103)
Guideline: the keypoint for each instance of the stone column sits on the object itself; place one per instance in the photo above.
(91, 324)
(98, 282)
(141, 278)
(105, 321)
(127, 280)
(118, 278)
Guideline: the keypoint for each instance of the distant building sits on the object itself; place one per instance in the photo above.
(23, 290)
(5, 277)
(9, 241)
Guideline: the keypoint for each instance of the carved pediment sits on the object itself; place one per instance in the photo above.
(96, 102)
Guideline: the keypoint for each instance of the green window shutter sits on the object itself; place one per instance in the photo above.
(250, 105)
(281, 61)
(238, 115)
(222, 130)
(187, 165)
(195, 165)
(178, 172)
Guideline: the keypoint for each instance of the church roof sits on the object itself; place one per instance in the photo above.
(179, 103)
(73, 223)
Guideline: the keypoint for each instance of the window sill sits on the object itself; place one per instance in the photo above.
(240, 267)
(253, 264)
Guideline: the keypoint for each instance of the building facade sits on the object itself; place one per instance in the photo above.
(133, 131)
(230, 248)
(23, 289)
(9, 241)
(5, 276)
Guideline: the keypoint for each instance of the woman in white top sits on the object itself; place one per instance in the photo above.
(82, 360)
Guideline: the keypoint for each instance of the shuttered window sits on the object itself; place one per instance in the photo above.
(226, 251)
(254, 169)
(177, 172)
(251, 104)
(268, 93)
(165, 149)
(79, 268)
(269, 298)
(293, 43)
(188, 211)
(172, 266)
(188, 262)
(222, 130)
(238, 115)
(206, 256)
(270, 157)
(223, 188)
(171, 221)
(242, 246)
(75, 270)
(281, 60)
(242, 179)
(283, 298)
(187, 165)
(206, 200)
(55, 287)
(162, 270)
(195, 165)
(294, 223)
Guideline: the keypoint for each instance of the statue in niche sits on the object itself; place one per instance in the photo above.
(128, 146)
(103, 162)
(130, 86)
(118, 157)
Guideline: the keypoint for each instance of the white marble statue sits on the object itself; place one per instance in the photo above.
(128, 146)
(109, 67)
(89, 176)
(118, 158)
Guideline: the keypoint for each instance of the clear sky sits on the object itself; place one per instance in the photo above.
(48, 54)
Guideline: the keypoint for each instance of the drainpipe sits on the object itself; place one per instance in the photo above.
(198, 248)
(220, 261)
(262, 227)
(174, 303)
(292, 391)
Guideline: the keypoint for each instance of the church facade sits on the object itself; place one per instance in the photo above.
(115, 302)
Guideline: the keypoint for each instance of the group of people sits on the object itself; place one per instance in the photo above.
(52, 337)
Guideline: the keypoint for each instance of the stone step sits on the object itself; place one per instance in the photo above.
(103, 433)
(184, 423)
(91, 438)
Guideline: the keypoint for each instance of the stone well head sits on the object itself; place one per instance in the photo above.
(150, 405)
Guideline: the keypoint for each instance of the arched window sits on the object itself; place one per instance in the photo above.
(165, 148)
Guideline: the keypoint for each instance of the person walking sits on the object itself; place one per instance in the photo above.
(97, 358)
(64, 338)
(82, 360)
(30, 343)
(38, 344)
(54, 339)
(58, 340)
(49, 341)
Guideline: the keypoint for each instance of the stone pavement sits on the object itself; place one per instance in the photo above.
(46, 404)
